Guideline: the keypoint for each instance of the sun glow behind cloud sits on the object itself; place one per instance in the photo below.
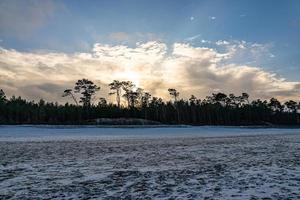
(152, 65)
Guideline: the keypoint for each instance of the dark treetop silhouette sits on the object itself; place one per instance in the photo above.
(217, 109)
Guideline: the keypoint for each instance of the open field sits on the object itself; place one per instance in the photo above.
(264, 166)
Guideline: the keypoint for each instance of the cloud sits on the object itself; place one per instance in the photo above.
(212, 17)
(272, 55)
(20, 18)
(152, 65)
(129, 38)
(245, 52)
(193, 37)
(119, 36)
(222, 42)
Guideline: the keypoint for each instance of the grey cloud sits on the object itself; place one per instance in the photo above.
(20, 18)
(50, 87)
(44, 67)
(297, 87)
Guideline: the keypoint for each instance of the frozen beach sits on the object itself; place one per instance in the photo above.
(69, 132)
(149, 163)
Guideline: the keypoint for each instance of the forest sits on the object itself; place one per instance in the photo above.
(216, 109)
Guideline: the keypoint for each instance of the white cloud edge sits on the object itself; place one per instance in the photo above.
(193, 70)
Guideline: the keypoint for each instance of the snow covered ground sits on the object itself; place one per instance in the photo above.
(54, 133)
(158, 163)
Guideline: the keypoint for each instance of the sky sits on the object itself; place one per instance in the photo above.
(196, 46)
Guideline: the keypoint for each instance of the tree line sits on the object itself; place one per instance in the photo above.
(216, 109)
